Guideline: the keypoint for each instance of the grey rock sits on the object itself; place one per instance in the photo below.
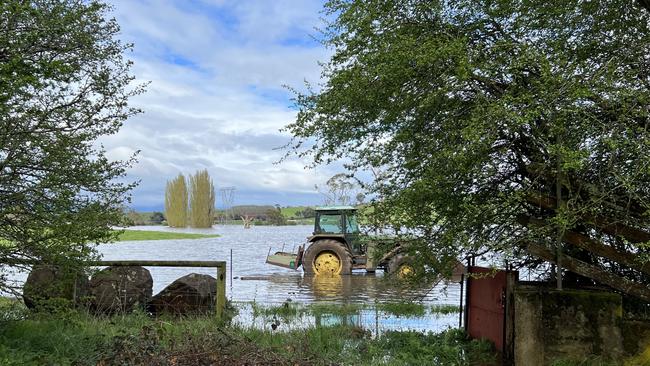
(120, 289)
(191, 294)
(46, 283)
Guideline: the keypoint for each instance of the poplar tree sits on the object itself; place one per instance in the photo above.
(202, 200)
(176, 209)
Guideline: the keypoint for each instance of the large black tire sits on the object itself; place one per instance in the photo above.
(396, 262)
(327, 245)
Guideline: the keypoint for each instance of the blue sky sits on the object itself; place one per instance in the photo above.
(216, 99)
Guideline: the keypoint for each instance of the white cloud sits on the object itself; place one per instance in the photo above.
(216, 99)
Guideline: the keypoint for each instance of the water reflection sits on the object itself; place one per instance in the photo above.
(362, 287)
(249, 248)
(273, 286)
(330, 288)
(367, 318)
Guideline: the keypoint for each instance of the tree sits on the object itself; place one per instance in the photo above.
(176, 204)
(133, 218)
(64, 82)
(483, 116)
(307, 213)
(202, 200)
(275, 217)
(339, 190)
(157, 218)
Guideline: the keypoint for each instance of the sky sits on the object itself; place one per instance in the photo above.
(216, 98)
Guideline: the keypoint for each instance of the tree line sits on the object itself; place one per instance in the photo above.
(193, 205)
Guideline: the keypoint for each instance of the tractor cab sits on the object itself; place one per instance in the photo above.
(334, 246)
(339, 223)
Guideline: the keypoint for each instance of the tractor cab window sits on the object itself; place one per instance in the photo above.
(330, 223)
(351, 224)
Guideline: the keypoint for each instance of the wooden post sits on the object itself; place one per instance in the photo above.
(470, 264)
(509, 318)
(460, 315)
(221, 291)
(560, 230)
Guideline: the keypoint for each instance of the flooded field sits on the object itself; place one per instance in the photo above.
(272, 285)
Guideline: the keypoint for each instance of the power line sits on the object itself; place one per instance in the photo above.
(228, 199)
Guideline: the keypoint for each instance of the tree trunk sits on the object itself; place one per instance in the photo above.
(607, 225)
(582, 241)
(584, 269)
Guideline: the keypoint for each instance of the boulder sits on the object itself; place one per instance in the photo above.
(47, 284)
(120, 289)
(191, 294)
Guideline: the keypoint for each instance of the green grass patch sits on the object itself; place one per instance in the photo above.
(136, 235)
(406, 309)
(444, 309)
(290, 212)
(334, 309)
(78, 338)
(593, 361)
(290, 311)
(287, 311)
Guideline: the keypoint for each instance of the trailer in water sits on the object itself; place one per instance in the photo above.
(286, 260)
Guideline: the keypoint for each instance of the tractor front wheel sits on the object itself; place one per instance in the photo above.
(327, 257)
(401, 266)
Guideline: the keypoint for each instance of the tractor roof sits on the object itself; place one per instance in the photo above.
(335, 208)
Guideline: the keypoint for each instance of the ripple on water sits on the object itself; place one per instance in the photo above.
(249, 249)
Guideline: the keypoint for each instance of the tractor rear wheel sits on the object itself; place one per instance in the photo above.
(327, 257)
(401, 266)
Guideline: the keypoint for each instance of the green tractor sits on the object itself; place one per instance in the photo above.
(337, 247)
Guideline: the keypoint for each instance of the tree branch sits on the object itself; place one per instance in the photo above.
(584, 242)
(584, 269)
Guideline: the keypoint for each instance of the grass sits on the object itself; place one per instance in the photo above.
(288, 310)
(136, 235)
(290, 212)
(444, 309)
(75, 337)
(594, 361)
(406, 309)
(335, 309)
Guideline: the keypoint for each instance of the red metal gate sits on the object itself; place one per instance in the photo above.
(490, 306)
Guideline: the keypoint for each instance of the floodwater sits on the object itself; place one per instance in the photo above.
(274, 285)
(270, 284)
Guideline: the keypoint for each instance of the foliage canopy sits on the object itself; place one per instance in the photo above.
(471, 112)
(64, 82)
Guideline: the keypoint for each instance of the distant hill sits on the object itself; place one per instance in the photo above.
(260, 211)
(298, 212)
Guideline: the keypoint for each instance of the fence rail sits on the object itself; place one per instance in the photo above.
(220, 305)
